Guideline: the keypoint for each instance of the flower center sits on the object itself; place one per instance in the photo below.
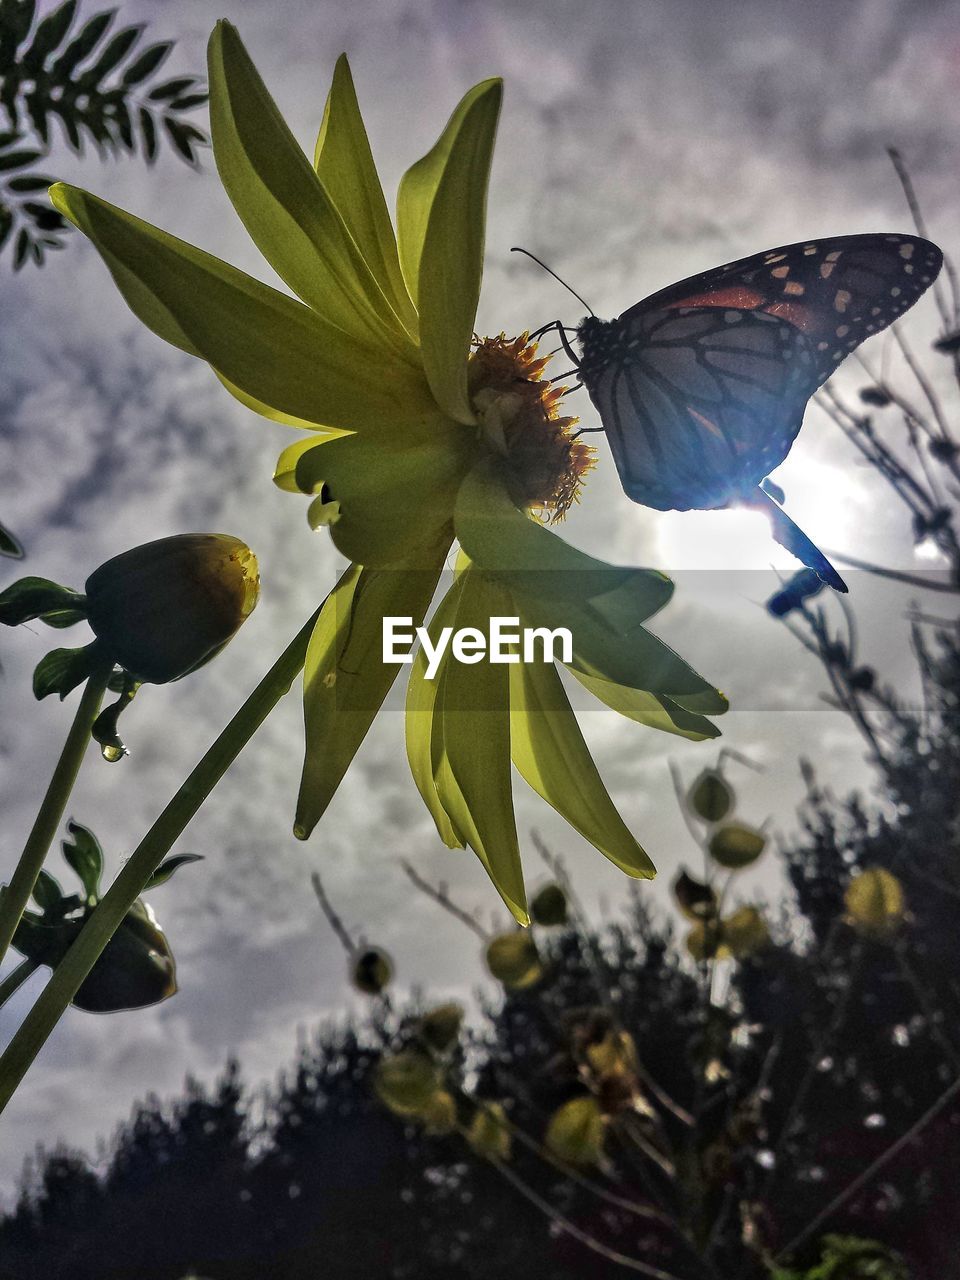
(520, 421)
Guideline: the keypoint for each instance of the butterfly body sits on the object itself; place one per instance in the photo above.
(701, 388)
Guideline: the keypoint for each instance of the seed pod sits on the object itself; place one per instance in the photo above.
(440, 1027)
(875, 902)
(163, 609)
(513, 959)
(549, 905)
(711, 796)
(736, 845)
(439, 1114)
(406, 1081)
(371, 970)
(489, 1134)
(575, 1131)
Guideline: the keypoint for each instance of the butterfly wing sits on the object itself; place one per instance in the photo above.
(838, 292)
(702, 403)
(702, 386)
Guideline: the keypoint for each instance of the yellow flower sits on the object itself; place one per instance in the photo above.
(417, 433)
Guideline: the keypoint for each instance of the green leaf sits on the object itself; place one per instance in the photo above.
(471, 729)
(85, 855)
(29, 183)
(48, 35)
(276, 351)
(552, 756)
(394, 495)
(30, 598)
(441, 217)
(18, 159)
(171, 89)
(115, 52)
(189, 101)
(83, 43)
(523, 555)
(345, 167)
(148, 132)
(9, 546)
(167, 868)
(286, 208)
(184, 136)
(652, 709)
(146, 63)
(345, 678)
(62, 670)
(46, 892)
(736, 845)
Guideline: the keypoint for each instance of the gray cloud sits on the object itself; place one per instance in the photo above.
(639, 143)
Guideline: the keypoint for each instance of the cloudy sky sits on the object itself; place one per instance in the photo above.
(639, 143)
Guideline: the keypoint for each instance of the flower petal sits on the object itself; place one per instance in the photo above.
(441, 214)
(285, 472)
(551, 755)
(424, 754)
(274, 349)
(344, 165)
(345, 678)
(394, 496)
(471, 748)
(527, 558)
(653, 709)
(284, 205)
(639, 661)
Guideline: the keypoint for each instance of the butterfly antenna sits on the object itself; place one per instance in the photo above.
(517, 249)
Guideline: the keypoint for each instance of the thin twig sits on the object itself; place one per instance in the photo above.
(872, 1170)
(440, 895)
(334, 921)
(572, 1174)
(595, 964)
(924, 383)
(897, 575)
(564, 1224)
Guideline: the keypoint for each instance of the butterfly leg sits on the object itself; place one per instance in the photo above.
(586, 431)
(794, 539)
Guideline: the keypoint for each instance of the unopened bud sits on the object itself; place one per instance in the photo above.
(162, 609)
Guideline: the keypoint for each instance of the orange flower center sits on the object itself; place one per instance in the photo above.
(520, 420)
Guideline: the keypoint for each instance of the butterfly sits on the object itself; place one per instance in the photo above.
(702, 387)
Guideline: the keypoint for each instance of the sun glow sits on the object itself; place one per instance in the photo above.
(822, 501)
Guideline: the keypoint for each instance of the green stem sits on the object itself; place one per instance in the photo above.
(16, 978)
(17, 893)
(145, 859)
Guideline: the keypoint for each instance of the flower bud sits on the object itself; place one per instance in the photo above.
(136, 968)
(549, 906)
(164, 608)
